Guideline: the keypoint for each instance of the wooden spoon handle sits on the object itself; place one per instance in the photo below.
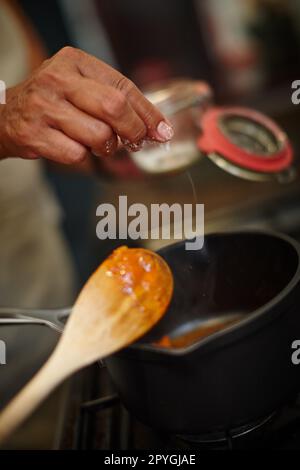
(48, 377)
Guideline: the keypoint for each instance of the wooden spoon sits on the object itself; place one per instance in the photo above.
(121, 301)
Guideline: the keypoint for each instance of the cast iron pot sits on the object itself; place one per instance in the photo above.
(234, 377)
(231, 378)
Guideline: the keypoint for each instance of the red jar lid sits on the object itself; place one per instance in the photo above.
(246, 139)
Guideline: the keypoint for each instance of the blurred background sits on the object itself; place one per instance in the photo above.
(248, 51)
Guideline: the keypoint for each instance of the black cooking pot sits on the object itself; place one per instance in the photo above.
(238, 375)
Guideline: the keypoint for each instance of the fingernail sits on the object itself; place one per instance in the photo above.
(165, 131)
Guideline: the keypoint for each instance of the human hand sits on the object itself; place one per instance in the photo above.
(74, 104)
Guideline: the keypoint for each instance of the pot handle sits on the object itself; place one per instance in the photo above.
(54, 319)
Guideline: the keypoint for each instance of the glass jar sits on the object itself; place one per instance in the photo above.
(183, 102)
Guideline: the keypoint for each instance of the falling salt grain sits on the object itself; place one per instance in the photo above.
(133, 146)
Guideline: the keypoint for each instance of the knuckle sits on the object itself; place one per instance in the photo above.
(48, 77)
(104, 133)
(124, 84)
(115, 105)
(52, 78)
(68, 52)
(151, 116)
(101, 137)
(138, 134)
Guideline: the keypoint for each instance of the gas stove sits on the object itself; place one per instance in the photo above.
(94, 418)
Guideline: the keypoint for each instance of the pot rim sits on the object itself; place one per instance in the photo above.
(241, 328)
